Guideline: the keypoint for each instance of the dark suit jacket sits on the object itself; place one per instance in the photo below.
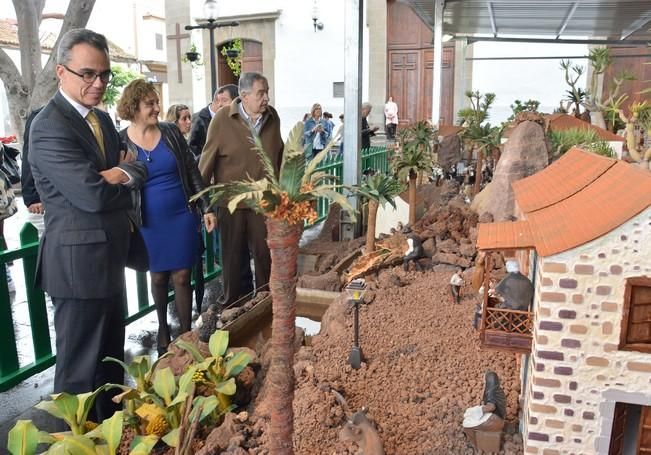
(199, 131)
(30, 195)
(85, 246)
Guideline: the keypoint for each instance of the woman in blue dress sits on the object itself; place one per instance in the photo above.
(170, 225)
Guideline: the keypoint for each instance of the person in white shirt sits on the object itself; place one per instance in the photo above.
(455, 286)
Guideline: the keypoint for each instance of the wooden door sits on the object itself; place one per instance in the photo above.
(251, 61)
(404, 87)
(617, 434)
(447, 86)
(644, 434)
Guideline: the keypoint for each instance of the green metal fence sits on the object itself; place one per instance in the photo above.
(11, 370)
(372, 158)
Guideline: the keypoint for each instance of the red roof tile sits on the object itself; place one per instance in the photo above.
(560, 180)
(593, 204)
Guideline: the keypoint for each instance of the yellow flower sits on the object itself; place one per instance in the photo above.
(157, 426)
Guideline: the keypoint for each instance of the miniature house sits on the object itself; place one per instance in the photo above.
(584, 232)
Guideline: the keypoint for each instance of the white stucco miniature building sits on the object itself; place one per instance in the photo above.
(587, 382)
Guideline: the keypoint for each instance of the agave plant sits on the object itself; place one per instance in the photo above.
(287, 200)
(379, 189)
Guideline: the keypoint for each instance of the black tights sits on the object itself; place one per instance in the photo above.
(183, 301)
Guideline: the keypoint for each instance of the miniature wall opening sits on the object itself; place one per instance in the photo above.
(631, 430)
(636, 317)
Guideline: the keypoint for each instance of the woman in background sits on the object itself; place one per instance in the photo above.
(170, 225)
(316, 132)
(180, 115)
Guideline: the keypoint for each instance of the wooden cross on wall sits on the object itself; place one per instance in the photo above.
(178, 37)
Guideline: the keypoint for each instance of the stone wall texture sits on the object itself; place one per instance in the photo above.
(576, 372)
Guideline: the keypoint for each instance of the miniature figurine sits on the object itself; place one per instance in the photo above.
(413, 253)
(487, 417)
(515, 288)
(456, 281)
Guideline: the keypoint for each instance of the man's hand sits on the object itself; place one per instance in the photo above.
(210, 221)
(115, 176)
(375, 128)
(126, 156)
(36, 208)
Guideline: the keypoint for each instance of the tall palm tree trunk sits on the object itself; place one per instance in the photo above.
(370, 229)
(412, 197)
(282, 239)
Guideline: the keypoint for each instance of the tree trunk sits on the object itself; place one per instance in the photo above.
(597, 119)
(282, 239)
(412, 198)
(370, 229)
(480, 156)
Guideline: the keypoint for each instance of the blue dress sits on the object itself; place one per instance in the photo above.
(169, 226)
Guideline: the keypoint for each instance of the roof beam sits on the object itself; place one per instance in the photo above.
(635, 26)
(567, 19)
(492, 17)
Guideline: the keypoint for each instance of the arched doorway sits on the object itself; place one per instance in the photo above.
(251, 61)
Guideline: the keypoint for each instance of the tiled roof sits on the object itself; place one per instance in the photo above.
(562, 122)
(9, 37)
(593, 204)
(560, 180)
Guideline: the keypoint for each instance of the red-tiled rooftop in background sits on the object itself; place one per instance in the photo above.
(621, 192)
(560, 180)
(562, 122)
(505, 235)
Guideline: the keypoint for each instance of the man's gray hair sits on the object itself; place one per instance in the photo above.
(79, 36)
(248, 79)
(367, 105)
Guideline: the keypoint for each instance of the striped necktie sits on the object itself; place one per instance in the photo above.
(97, 130)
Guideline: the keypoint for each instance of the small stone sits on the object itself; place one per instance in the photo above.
(243, 416)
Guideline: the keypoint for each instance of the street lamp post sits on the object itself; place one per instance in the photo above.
(356, 290)
(210, 14)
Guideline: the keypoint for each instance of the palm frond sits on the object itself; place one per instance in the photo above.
(268, 167)
(291, 174)
(322, 177)
(330, 192)
(294, 142)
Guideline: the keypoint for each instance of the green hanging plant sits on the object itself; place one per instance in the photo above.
(233, 55)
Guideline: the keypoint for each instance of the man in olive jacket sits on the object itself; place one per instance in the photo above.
(229, 156)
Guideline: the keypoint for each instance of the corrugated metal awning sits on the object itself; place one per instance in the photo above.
(555, 19)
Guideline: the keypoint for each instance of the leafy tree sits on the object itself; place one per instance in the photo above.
(34, 84)
(528, 106)
(379, 189)
(121, 77)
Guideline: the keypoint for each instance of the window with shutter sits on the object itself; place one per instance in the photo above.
(636, 317)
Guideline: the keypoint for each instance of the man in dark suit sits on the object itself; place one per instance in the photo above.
(201, 120)
(84, 180)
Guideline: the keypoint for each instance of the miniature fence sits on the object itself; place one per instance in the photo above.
(507, 329)
(11, 372)
(372, 158)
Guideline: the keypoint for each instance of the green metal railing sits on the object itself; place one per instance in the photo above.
(372, 158)
(11, 371)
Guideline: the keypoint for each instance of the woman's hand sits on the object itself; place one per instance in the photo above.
(210, 221)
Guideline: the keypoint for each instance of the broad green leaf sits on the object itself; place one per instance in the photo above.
(180, 398)
(46, 438)
(128, 394)
(103, 450)
(237, 363)
(207, 406)
(67, 404)
(164, 384)
(23, 438)
(227, 387)
(86, 401)
(218, 343)
(185, 381)
(58, 448)
(192, 349)
(112, 431)
(142, 445)
(79, 445)
(124, 366)
(172, 438)
(51, 408)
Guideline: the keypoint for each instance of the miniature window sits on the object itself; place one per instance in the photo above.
(636, 319)
(159, 41)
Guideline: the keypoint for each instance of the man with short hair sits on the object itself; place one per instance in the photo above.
(229, 156)
(200, 121)
(84, 180)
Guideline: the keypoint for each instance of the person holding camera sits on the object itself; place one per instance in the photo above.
(316, 132)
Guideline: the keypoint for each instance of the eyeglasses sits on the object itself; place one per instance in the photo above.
(90, 76)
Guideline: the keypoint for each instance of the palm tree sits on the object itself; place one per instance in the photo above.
(484, 138)
(287, 200)
(379, 189)
(412, 160)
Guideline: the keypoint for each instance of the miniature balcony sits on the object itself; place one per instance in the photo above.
(506, 330)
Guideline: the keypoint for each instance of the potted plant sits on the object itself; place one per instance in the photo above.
(193, 56)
